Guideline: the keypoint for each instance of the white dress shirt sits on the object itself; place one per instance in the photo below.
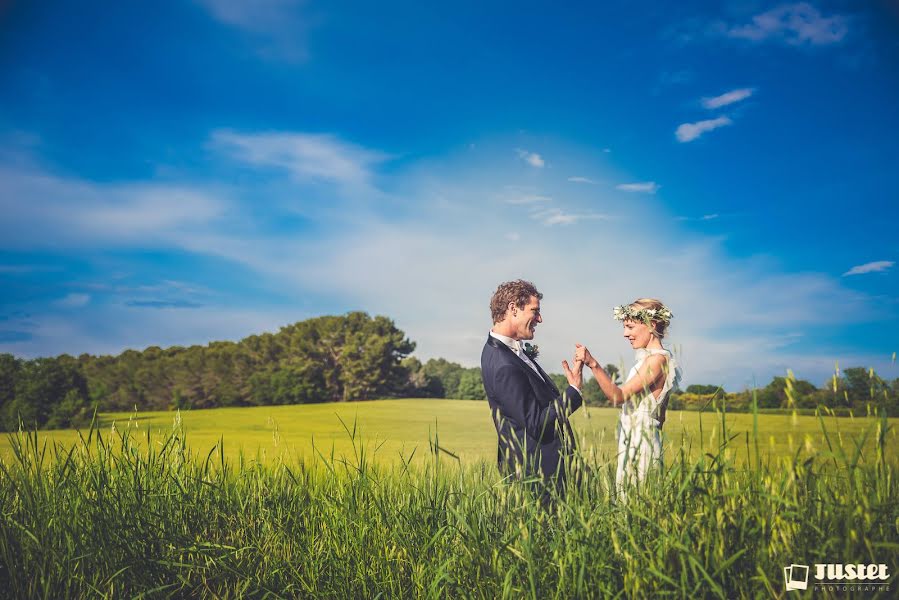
(516, 347)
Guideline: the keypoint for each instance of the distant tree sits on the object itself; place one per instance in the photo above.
(614, 373)
(471, 386)
(698, 388)
(862, 386)
(352, 356)
(591, 392)
(179, 402)
(370, 357)
(775, 394)
(291, 384)
(420, 383)
(42, 385)
(10, 367)
(447, 373)
(9, 370)
(73, 411)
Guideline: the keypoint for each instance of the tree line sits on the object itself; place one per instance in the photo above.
(852, 391)
(325, 359)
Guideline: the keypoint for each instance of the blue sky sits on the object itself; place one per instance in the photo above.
(194, 171)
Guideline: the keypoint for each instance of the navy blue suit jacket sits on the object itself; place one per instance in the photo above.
(530, 414)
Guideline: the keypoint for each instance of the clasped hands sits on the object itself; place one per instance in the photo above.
(582, 357)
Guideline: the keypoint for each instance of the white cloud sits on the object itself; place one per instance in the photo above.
(687, 132)
(646, 187)
(74, 301)
(730, 314)
(581, 180)
(797, 24)
(531, 158)
(727, 98)
(276, 25)
(304, 156)
(110, 329)
(871, 267)
(71, 211)
(708, 217)
(557, 216)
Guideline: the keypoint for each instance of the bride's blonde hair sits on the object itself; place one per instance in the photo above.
(659, 328)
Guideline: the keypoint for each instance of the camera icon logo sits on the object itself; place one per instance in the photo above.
(796, 577)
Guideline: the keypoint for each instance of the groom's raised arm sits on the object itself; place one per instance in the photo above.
(516, 401)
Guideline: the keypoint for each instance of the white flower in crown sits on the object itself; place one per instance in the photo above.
(626, 312)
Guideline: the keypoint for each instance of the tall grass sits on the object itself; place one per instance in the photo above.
(112, 518)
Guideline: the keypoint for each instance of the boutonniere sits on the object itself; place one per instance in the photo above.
(531, 351)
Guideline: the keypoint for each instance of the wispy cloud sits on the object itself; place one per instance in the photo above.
(708, 217)
(531, 158)
(797, 24)
(727, 98)
(163, 304)
(581, 180)
(871, 267)
(527, 199)
(645, 187)
(304, 156)
(74, 301)
(557, 216)
(276, 25)
(687, 132)
(78, 212)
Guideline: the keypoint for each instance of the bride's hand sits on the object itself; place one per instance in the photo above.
(582, 354)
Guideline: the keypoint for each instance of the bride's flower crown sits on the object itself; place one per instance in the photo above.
(626, 312)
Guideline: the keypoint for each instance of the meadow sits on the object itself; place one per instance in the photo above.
(401, 498)
(399, 428)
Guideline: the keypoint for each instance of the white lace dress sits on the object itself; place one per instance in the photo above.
(640, 425)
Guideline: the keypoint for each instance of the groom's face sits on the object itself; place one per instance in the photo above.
(525, 319)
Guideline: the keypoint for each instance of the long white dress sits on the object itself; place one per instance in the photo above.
(640, 425)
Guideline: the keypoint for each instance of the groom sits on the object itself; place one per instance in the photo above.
(530, 414)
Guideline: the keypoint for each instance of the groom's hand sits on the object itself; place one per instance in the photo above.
(575, 377)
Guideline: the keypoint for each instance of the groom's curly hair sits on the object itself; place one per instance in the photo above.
(518, 291)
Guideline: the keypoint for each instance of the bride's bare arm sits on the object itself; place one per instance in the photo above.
(650, 373)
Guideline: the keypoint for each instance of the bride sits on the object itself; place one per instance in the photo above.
(644, 394)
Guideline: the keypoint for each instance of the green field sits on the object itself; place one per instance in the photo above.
(238, 503)
(391, 428)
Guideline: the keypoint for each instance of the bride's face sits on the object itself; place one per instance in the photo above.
(637, 333)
